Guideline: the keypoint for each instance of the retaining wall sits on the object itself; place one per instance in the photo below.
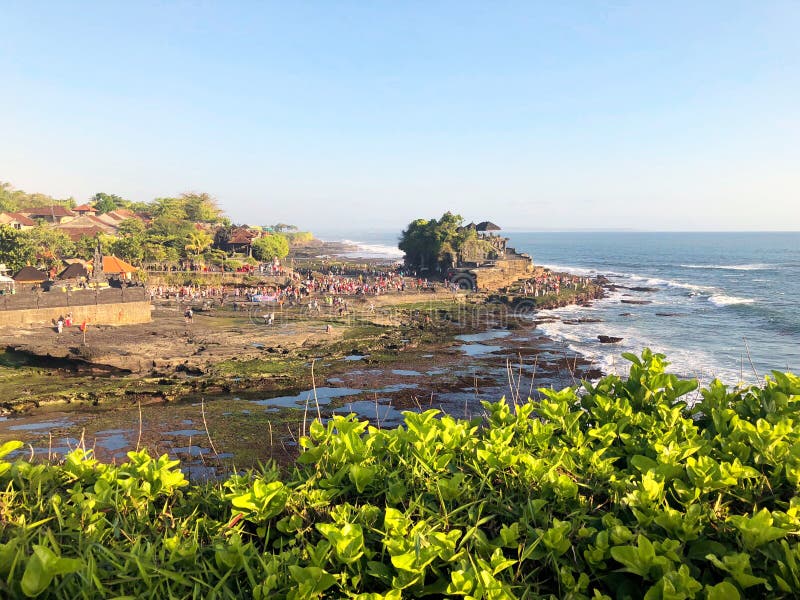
(120, 313)
(503, 273)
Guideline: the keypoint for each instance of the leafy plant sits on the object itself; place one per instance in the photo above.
(624, 488)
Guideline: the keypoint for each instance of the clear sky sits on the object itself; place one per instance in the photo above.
(365, 115)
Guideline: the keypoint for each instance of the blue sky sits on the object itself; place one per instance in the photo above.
(366, 115)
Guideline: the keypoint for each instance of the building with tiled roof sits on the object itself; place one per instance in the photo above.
(108, 220)
(241, 240)
(116, 266)
(16, 220)
(89, 221)
(51, 214)
(84, 209)
(76, 233)
(121, 214)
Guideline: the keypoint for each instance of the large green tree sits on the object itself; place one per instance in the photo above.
(201, 207)
(432, 244)
(197, 242)
(439, 244)
(104, 203)
(270, 246)
(16, 249)
(50, 246)
(13, 200)
(85, 247)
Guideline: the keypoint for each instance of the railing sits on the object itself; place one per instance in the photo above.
(31, 299)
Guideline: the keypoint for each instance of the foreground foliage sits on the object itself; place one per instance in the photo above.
(620, 489)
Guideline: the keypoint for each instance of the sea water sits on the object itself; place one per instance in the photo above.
(722, 305)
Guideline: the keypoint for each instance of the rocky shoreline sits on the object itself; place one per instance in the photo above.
(435, 349)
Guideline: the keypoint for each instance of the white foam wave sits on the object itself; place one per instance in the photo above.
(372, 250)
(580, 271)
(583, 340)
(672, 283)
(748, 267)
(724, 300)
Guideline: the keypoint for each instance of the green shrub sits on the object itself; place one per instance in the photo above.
(637, 487)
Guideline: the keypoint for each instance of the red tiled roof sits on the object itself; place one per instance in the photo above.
(21, 219)
(242, 236)
(85, 221)
(76, 233)
(47, 211)
(84, 208)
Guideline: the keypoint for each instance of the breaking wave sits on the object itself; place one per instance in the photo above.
(750, 267)
(724, 300)
(373, 250)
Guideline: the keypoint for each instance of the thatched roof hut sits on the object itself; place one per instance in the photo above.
(74, 271)
(30, 275)
(486, 226)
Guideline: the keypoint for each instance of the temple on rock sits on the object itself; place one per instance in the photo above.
(489, 260)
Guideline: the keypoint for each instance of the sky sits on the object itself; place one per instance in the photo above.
(359, 116)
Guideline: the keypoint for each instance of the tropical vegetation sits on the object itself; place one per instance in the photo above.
(189, 227)
(438, 244)
(631, 487)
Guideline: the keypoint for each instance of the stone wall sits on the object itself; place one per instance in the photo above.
(503, 273)
(122, 313)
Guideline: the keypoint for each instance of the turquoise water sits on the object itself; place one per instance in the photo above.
(716, 297)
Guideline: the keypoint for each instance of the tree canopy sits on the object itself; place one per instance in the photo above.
(436, 244)
(104, 203)
(270, 246)
(12, 200)
(190, 226)
(15, 249)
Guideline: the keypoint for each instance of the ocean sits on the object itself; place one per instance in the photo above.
(720, 305)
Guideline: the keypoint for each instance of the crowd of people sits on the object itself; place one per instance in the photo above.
(330, 290)
(552, 283)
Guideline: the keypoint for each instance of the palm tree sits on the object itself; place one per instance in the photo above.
(198, 242)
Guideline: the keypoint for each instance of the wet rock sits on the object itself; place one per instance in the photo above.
(636, 288)
(608, 339)
(624, 301)
(580, 321)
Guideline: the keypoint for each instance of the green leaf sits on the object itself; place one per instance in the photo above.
(637, 559)
(722, 591)
(312, 580)
(42, 567)
(362, 476)
(9, 447)
(756, 530)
